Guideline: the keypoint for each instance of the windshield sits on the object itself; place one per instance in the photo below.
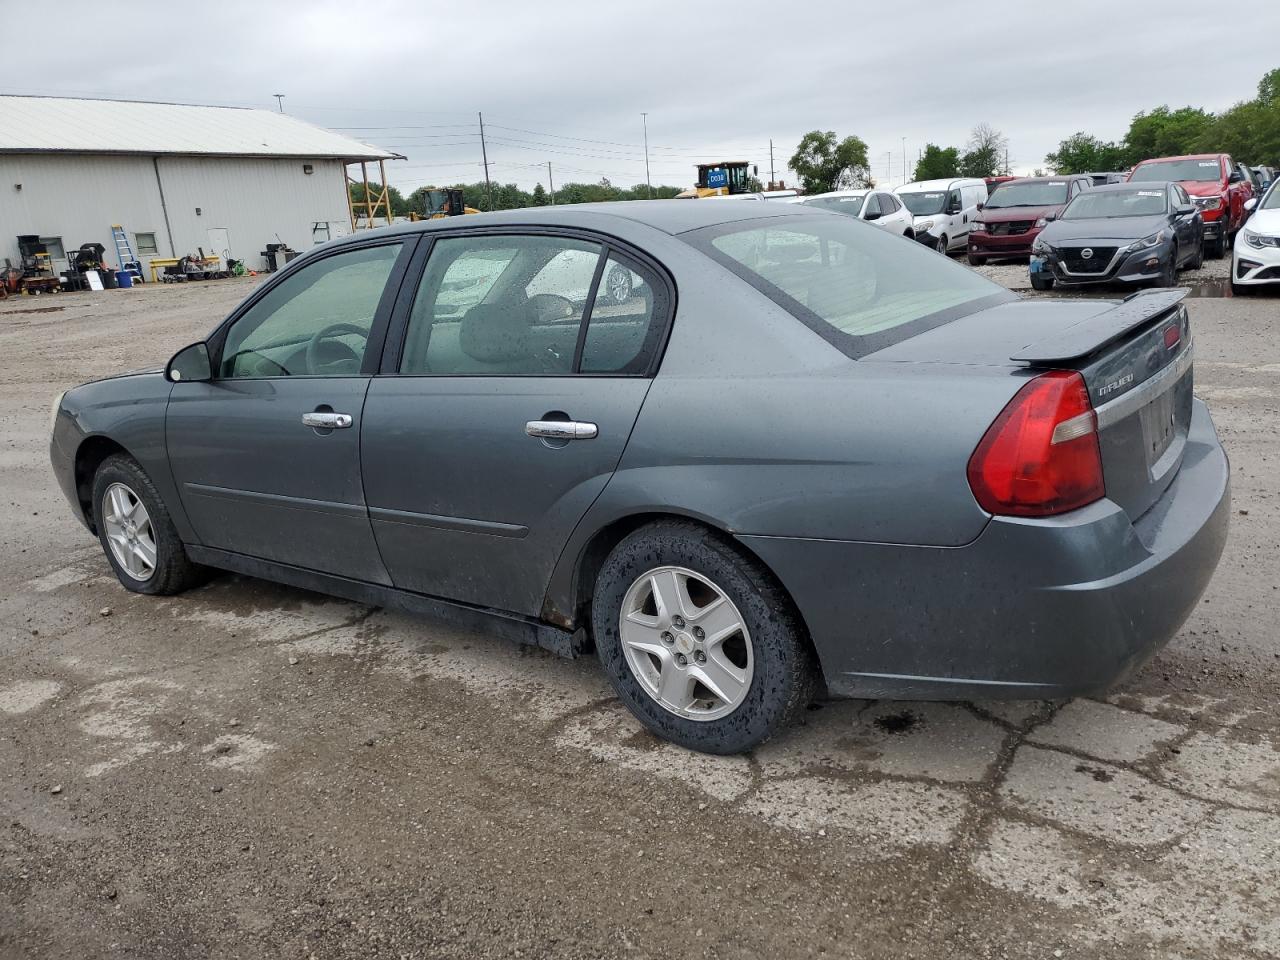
(1204, 171)
(860, 289)
(1116, 203)
(1045, 194)
(923, 204)
(849, 205)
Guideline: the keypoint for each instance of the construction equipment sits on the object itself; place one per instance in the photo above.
(724, 179)
(124, 252)
(445, 202)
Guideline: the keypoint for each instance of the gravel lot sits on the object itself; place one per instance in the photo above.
(255, 771)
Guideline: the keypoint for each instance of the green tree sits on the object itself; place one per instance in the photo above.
(1084, 153)
(823, 163)
(1165, 133)
(539, 196)
(937, 163)
(985, 152)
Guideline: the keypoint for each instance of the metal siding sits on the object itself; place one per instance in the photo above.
(258, 201)
(78, 198)
(29, 124)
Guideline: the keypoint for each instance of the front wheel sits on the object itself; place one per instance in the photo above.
(1222, 245)
(1039, 282)
(976, 261)
(943, 246)
(698, 640)
(135, 530)
(1169, 272)
(1197, 259)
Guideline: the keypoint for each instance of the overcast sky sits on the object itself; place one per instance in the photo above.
(567, 82)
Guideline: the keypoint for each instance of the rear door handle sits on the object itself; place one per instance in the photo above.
(327, 421)
(561, 429)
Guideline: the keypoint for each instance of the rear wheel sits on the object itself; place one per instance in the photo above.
(135, 530)
(1041, 282)
(698, 640)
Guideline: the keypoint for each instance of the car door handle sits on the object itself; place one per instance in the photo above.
(327, 421)
(561, 429)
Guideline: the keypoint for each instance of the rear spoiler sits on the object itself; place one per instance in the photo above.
(1102, 329)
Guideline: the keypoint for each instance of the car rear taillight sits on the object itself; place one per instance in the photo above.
(1041, 455)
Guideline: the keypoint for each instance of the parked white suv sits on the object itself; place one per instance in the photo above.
(944, 210)
(879, 206)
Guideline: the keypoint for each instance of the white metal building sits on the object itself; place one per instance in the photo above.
(179, 179)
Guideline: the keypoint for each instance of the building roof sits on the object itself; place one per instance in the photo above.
(65, 125)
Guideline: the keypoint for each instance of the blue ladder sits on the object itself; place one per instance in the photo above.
(124, 252)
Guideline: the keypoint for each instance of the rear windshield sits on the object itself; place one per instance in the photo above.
(849, 205)
(924, 203)
(1116, 203)
(1047, 194)
(1206, 171)
(858, 287)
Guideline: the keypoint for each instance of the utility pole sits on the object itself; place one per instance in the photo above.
(279, 101)
(553, 184)
(772, 178)
(488, 187)
(904, 160)
(644, 117)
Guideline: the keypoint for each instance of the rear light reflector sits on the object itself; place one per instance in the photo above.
(1041, 455)
(1172, 336)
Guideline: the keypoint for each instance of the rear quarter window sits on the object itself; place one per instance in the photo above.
(858, 287)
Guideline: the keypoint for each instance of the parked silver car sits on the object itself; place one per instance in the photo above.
(801, 453)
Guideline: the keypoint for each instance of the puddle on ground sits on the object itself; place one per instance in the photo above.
(1210, 288)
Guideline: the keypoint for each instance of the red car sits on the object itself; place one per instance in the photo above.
(1215, 184)
(1015, 213)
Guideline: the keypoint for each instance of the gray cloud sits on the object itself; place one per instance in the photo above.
(566, 82)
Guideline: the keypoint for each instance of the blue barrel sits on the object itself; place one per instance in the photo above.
(124, 279)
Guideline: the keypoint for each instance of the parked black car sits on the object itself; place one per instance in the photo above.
(1121, 232)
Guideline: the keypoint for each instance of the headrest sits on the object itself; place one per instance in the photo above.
(496, 332)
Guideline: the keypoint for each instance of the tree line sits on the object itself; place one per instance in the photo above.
(510, 196)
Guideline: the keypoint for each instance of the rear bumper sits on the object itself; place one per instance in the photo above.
(1038, 609)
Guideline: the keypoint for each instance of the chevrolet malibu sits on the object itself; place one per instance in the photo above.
(804, 454)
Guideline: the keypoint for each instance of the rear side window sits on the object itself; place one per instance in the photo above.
(860, 289)
(626, 320)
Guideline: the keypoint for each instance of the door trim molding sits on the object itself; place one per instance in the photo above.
(491, 528)
(330, 507)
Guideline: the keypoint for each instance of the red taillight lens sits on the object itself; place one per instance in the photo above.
(1041, 456)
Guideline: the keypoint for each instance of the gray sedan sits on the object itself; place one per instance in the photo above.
(801, 454)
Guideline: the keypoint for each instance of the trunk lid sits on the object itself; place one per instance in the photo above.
(1135, 356)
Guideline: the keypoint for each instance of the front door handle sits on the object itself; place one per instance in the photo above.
(327, 421)
(561, 429)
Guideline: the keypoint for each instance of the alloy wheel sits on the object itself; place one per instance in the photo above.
(129, 532)
(619, 284)
(686, 643)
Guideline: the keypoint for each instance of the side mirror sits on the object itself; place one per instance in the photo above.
(190, 364)
(1251, 203)
(1050, 217)
(871, 216)
(981, 204)
(1236, 177)
(1184, 209)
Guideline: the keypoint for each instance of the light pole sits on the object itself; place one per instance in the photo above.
(905, 178)
(279, 101)
(644, 117)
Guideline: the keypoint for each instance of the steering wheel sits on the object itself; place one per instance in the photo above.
(551, 308)
(334, 329)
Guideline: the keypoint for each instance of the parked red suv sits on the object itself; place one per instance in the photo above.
(1215, 184)
(1015, 213)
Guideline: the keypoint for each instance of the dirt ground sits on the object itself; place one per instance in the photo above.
(255, 771)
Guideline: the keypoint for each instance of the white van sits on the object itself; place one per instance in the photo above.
(943, 210)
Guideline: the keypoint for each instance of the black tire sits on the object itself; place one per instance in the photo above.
(1041, 283)
(1222, 246)
(943, 246)
(1169, 272)
(173, 571)
(784, 677)
(976, 261)
(1197, 261)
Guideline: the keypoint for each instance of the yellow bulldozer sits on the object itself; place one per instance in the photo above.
(723, 179)
(445, 202)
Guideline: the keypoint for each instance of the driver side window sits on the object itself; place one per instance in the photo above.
(315, 323)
